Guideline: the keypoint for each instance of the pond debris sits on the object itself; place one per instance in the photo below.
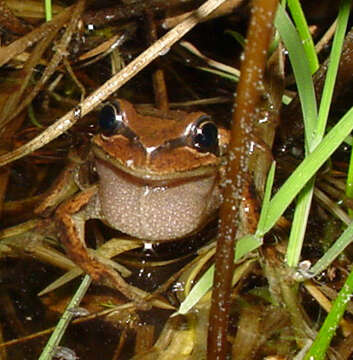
(64, 353)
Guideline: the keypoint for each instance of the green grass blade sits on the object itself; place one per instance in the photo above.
(198, 291)
(33, 118)
(335, 250)
(48, 10)
(237, 37)
(297, 233)
(246, 244)
(249, 243)
(266, 200)
(328, 329)
(205, 283)
(308, 167)
(332, 70)
(64, 321)
(304, 33)
(302, 210)
(234, 77)
(349, 183)
(301, 70)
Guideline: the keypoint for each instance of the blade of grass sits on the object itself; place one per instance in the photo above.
(304, 33)
(48, 10)
(332, 70)
(223, 74)
(285, 98)
(244, 245)
(349, 182)
(204, 285)
(222, 70)
(32, 117)
(300, 220)
(64, 321)
(301, 69)
(247, 244)
(211, 62)
(307, 168)
(328, 329)
(302, 210)
(197, 292)
(335, 250)
(304, 200)
(237, 37)
(266, 199)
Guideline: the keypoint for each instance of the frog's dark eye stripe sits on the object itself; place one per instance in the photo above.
(110, 119)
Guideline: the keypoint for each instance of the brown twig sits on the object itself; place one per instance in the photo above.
(159, 84)
(248, 94)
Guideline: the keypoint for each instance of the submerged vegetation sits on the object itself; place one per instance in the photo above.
(279, 258)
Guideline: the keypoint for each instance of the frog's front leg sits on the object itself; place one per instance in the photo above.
(70, 217)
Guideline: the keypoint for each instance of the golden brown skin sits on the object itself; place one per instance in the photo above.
(71, 234)
(154, 184)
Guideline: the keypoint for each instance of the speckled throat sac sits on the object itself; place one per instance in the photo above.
(155, 211)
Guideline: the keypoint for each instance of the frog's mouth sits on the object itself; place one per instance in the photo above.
(146, 173)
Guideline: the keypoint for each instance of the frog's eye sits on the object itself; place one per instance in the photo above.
(110, 119)
(205, 135)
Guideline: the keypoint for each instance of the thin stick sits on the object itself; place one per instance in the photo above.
(237, 176)
(327, 37)
(69, 119)
(158, 78)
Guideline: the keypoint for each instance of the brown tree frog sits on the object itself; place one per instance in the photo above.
(158, 181)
